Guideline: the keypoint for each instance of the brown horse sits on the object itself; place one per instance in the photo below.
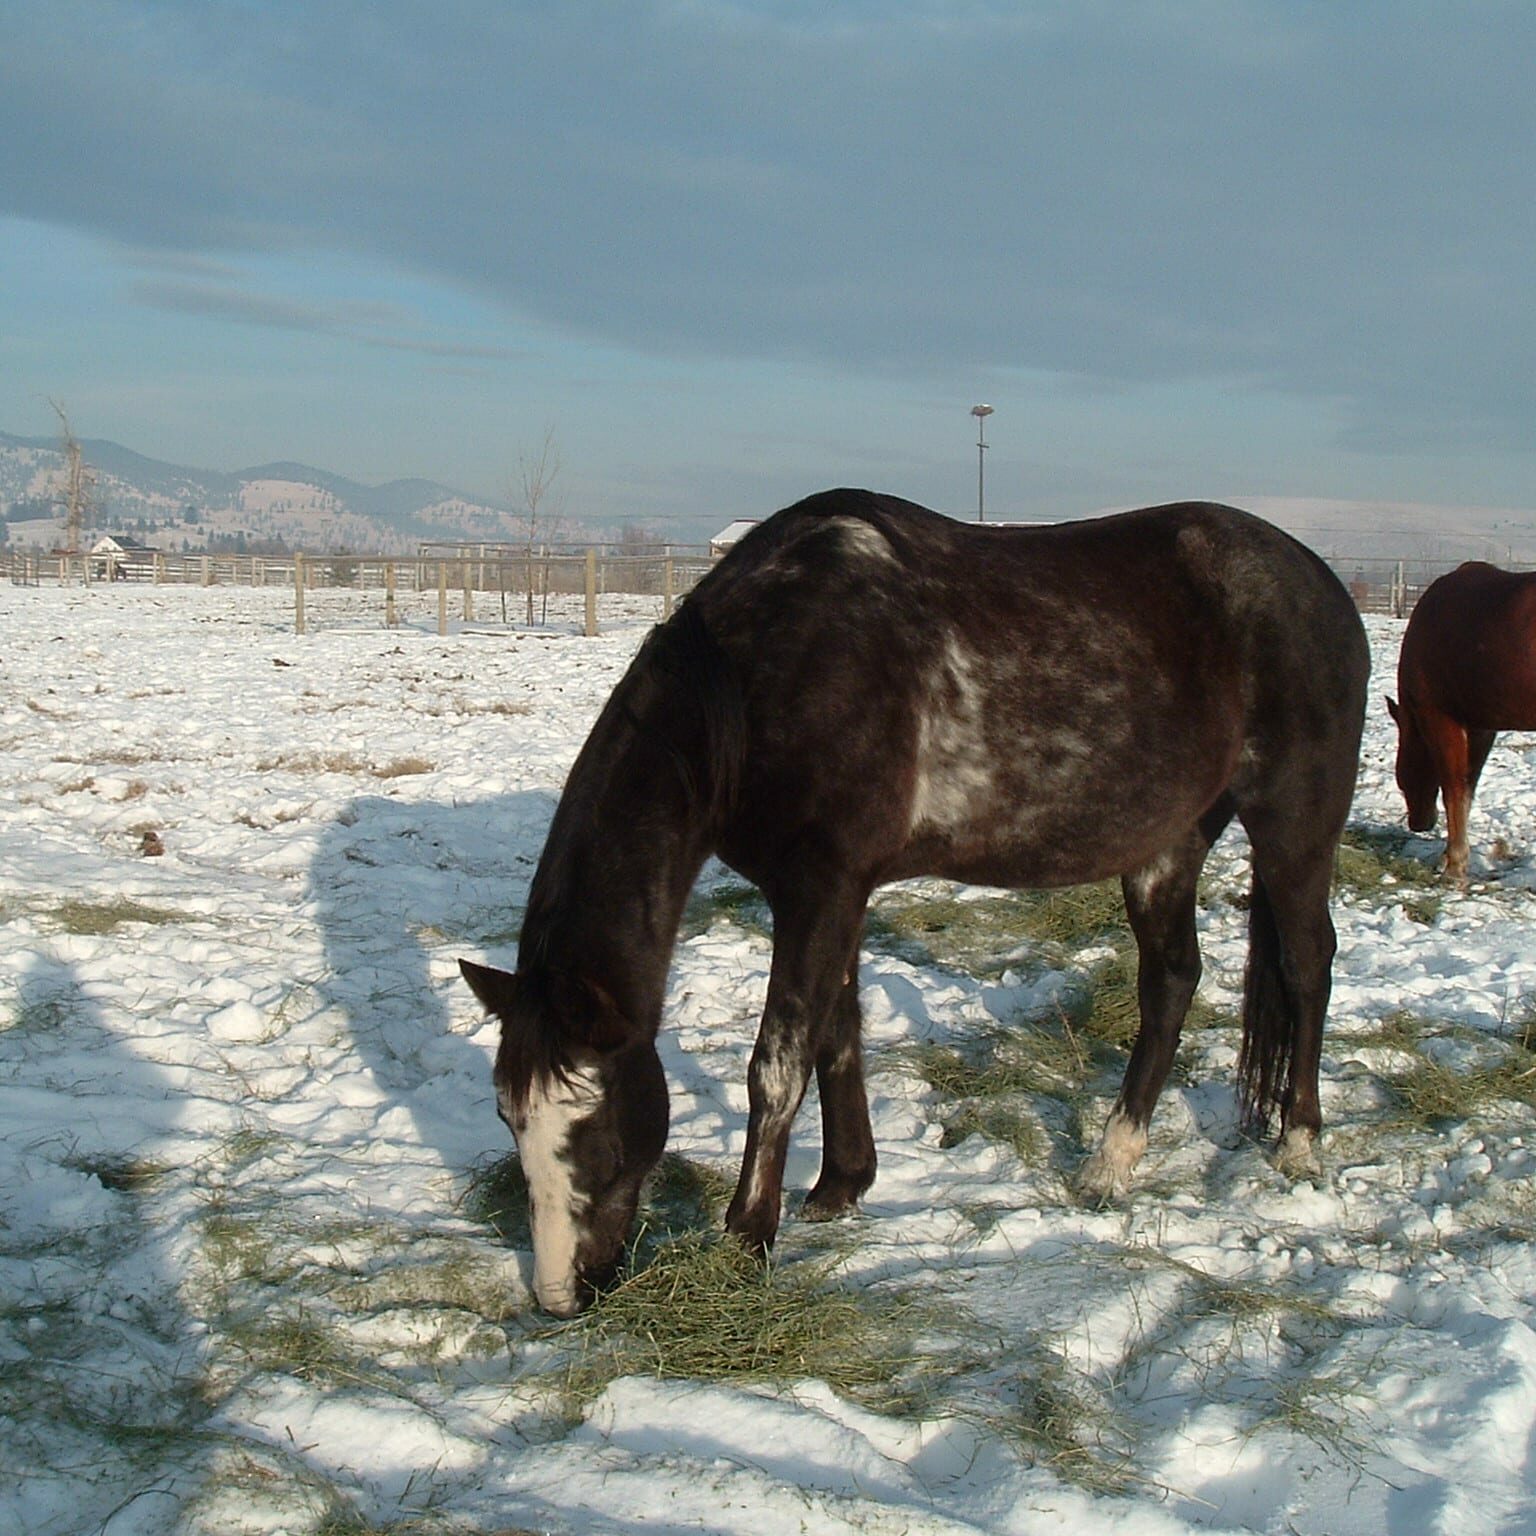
(863, 691)
(1466, 671)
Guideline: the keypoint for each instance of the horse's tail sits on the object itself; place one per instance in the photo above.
(1269, 1019)
(714, 689)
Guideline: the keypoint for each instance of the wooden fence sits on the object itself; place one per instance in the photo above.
(489, 583)
(473, 586)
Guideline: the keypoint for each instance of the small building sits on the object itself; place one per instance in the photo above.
(729, 535)
(115, 558)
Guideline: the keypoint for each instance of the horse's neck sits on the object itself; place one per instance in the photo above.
(610, 891)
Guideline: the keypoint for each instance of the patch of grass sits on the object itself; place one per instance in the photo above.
(497, 1197)
(294, 1342)
(127, 1175)
(1432, 1093)
(1373, 859)
(1324, 1409)
(238, 1249)
(99, 917)
(992, 1078)
(41, 1013)
(403, 767)
(313, 762)
(1241, 1300)
(1011, 1126)
(735, 901)
(703, 1309)
(451, 1277)
(1001, 1062)
(986, 935)
(683, 1195)
(1470, 1075)
(1065, 1424)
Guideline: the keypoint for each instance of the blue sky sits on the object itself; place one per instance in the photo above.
(729, 254)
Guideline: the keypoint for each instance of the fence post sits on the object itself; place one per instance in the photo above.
(442, 597)
(469, 591)
(298, 594)
(390, 617)
(666, 589)
(591, 593)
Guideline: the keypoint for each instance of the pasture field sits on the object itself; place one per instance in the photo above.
(263, 1244)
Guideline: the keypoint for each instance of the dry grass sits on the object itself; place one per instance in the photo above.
(99, 917)
(1063, 1422)
(1437, 1074)
(345, 763)
(403, 767)
(986, 935)
(703, 1309)
(1373, 865)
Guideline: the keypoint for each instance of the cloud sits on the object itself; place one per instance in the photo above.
(1330, 201)
(369, 324)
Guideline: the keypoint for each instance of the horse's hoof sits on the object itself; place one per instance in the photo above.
(1100, 1181)
(834, 1196)
(1106, 1176)
(1296, 1157)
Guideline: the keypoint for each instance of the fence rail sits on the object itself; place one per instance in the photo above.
(524, 582)
(520, 586)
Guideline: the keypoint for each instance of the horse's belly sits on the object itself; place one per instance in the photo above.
(1011, 836)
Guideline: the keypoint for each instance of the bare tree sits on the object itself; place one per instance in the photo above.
(543, 509)
(76, 497)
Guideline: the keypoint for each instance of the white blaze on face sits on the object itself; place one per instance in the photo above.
(543, 1146)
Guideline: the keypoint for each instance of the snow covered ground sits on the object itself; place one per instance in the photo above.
(245, 1100)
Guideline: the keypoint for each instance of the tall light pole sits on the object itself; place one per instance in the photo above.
(981, 412)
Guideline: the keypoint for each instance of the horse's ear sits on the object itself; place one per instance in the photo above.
(494, 988)
(1392, 709)
(596, 1021)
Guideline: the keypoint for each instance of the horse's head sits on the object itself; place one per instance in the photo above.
(1416, 775)
(583, 1093)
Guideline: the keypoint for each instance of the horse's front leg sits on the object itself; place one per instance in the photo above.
(1451, 751)
(814, 948)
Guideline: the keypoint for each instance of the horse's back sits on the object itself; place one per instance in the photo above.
(1469, 651)
(1025, 706)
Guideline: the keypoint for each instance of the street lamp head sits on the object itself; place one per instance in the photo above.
(981, 410)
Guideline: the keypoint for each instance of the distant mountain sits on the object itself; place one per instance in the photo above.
(172, 505)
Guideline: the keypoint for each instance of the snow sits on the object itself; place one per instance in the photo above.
(241, 1084)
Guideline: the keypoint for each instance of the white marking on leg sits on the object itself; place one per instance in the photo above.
(1107, 1174)
(780, 1084)
(1296, 1156)
(543, 1145)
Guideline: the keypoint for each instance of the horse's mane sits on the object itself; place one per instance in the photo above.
(681, 702)
(684, 651)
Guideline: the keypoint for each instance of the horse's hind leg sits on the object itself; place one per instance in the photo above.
(816, 927)
(1160, 902)
(848, 1143)
(1290, 976)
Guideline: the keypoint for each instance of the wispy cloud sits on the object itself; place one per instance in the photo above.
(369, 324)
(1127, 194)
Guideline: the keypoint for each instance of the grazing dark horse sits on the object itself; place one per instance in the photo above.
(1466, 671)
(864, 691)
